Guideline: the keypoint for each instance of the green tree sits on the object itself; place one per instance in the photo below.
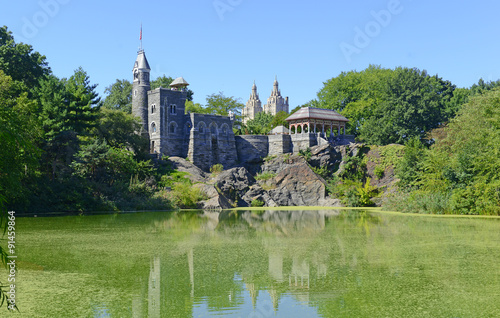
(83, 102)
(219, 104)
(414, 103)
(279, 119)
(409, 169)
(356, 95)
(191, 107)
(69, 110)
(260, 125)
(19, 130)
(119, 96)
(118, 129)
(20, 62)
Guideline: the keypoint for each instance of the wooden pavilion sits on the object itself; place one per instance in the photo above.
(316, 120)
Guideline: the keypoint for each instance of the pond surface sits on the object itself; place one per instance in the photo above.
(313, 263)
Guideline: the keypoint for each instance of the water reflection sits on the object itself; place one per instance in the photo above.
(324, 263)
(232, 256)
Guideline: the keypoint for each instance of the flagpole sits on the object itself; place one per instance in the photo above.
(141, 36)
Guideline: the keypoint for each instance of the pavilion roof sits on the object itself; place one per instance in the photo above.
(316, 113)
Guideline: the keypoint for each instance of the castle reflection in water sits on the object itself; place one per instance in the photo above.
(200, 272)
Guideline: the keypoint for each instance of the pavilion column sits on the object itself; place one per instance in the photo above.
(338, 125)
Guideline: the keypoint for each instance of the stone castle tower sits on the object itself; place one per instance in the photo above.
(140, 89)
(253, 107)
(275, 103)
(204, 139)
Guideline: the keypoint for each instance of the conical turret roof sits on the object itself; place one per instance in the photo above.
(141, 62)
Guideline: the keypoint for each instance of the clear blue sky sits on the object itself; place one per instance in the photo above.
(224, 45)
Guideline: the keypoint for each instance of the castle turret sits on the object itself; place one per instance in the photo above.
(140, 89)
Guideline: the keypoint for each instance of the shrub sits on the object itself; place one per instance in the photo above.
(269, 158)
(306, 154)
(257, 203)
(184, 195)
(379, 171)
(321, 171)
(264, 176)
(217, 168)
(169, 180)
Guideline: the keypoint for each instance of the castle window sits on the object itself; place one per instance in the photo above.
(213, 129)
(201, 128)
(153, 108)
(153, 127)
(172, 128)
(173, 109)
(135, 93)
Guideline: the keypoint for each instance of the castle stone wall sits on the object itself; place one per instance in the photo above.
(279, 144)
(251, 148)
(303, 141)
(211, 141)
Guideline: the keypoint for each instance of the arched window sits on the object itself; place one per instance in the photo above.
(213, 129)
(224, 129)
(153, 127)
(153, 108)
(201, 127)
(172, 128)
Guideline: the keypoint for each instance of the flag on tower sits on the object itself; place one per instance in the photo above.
(140, 38)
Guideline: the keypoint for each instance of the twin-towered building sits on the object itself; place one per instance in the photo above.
(275, 103)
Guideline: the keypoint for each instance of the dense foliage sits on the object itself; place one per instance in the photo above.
(460, 173)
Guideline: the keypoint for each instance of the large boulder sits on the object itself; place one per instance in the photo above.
(234, 183)
(325, 156)
(298, 185)
(257, 193)
(219, 202)
(195, 173)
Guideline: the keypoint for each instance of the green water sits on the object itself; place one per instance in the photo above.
(317, 263)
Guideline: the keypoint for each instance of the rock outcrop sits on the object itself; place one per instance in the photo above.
(298, 185)
(195, 173)
(234, 183)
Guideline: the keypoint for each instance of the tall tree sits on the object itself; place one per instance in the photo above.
(354, 94)
(19, 61)
(219, 104)
(19, 130)
(261, 124)
(119, 96)
(69, 110)
(413, 104)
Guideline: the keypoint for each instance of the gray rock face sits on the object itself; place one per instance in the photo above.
(298, 185)
(325, 155)
(257, 193)
(234, 183)
(218, 202)
(195, 173)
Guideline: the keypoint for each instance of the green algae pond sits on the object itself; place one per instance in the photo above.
(258, 263)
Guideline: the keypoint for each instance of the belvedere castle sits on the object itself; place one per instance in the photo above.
(206, 140)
